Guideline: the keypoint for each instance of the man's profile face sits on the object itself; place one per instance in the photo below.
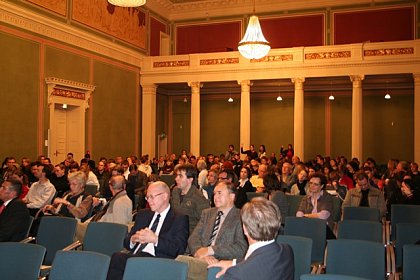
(363, 184)
(182, 181)
(223, 199)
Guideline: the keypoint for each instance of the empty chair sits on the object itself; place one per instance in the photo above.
(411, 267)
(358, 258)
(302, 250)
(402, 213)
(294, 202)
(406, 233)
(20, 260)
(360, 230)
(75, 265)
(314, 229)
(251, 195)
(55, 233)
(104, 238)
(155, 269)
(361, 213)
(211, 273)
(329, 277)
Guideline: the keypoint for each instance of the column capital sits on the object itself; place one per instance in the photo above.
(149, 88)
(416, 77)
(244, 83)
(357, 78)
(195, 84)
(298, 80)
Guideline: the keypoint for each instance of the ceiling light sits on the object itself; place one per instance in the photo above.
(64, 106)
(127, 3)
(230, 100)
(253, 45)
(331, 97)
(185, 99)
(387, 96)
(279, 98)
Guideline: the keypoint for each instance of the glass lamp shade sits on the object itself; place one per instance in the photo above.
(387, 96)
(253, 45)
(331, 97)
(127, 3)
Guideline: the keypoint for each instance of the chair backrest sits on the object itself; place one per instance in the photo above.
(155, 269)
(336, 211)
(251, 195)
(71, 265)
(20, 260)
(358, 258)
(30, 222)
(402, 213)
(360, 230)
(314, 229)
(168, 179)
(407, 233)
(211, 273)
(55, 233)
(294, 202)
(91, 189)
(302, 250)
(361, 213)
(411, 267)
(329, 277)
(104, 238)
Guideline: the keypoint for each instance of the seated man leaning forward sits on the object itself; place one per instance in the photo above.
(265, 259)
(159, 232)
(218, 235)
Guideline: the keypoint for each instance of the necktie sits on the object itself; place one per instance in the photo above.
(141, 246)
(215, 227)
(2, 207)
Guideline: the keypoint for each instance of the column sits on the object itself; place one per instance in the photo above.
(195, 118)
(298, 120)
(416, 77)
(245, 122)
(357, 118)
(148, 120)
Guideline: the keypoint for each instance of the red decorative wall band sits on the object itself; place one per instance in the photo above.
(171, 63)
(393, 51)
(274, 58)
(328, 55)
(68, 93)
(219, 61)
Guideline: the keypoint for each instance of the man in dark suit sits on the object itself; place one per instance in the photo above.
(265, 259)
(14, 216)
(159, 232)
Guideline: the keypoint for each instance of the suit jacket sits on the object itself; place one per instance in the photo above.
(241, 197)
(14, 221)
(375, 198)
(230, 242)
(173, 236)
(270, 262)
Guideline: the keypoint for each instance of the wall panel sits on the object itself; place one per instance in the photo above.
(341, 126)
(314, 114)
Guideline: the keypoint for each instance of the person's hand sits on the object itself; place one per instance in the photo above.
(47, 208)
(59, 200)
(224, 265)
(147, 236)
(202, 252)
(210, 260)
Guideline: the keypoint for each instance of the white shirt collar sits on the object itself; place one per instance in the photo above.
(256, 246)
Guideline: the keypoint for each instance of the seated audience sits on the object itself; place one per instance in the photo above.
(244, 186)
(275, 193)
(59, 179)
(257, 180)
(301, 187)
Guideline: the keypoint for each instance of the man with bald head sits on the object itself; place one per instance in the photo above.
(158, 232)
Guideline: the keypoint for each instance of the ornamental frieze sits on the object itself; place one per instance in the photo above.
(217, 61)
(393, 51)
(328, 55)
(68, 94)
(171, 63)
(274, 58)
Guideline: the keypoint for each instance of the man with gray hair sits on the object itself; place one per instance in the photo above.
(261, 221)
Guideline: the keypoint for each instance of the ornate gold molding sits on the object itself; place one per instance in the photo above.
(174, 63)
(68, 93)
(216, 61)
(274, 58)
(328, 55)
(390, 51)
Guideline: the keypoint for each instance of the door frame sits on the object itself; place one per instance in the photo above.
(60, 91)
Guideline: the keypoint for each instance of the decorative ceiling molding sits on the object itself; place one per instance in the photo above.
(45, 26)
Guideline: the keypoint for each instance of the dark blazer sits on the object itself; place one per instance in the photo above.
(271, 262)
(241, 197)
(14, 221)
(173, 235)
(230, 242)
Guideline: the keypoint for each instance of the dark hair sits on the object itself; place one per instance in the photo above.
(248, 171)
(321, 177)
(15, 185)
(132, 167)
(190, 172)
(360, 175)
(229, 173)
(47, 170)
(271, 183)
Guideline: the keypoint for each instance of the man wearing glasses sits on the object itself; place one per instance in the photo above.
(159, 232)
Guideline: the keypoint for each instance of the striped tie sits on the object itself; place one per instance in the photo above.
(141, 246)
(215, 227)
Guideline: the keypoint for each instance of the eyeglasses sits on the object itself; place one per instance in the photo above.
(315, 184)
(152, 197)
(223, 178)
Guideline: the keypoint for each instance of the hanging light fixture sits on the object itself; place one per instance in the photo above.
(331, 97)
(253, 45)
(279, 98)
(387, 95)
(127, 3)
(230, 100)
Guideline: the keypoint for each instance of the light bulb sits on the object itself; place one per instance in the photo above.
(230, 99)
(279, 98)
(331, 97)
(387, 96)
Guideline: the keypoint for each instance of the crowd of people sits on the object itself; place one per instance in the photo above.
(204, 218)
